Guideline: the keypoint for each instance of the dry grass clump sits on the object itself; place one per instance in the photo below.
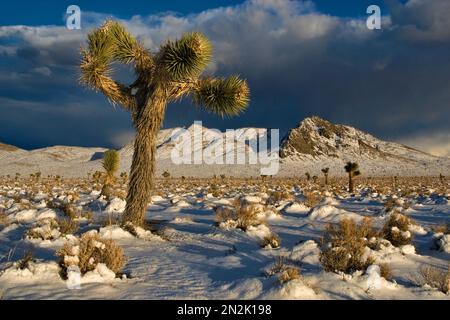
(272, 241)
(436, 278)
(89, 252)
(246, 216)
(385, 271)
(396, 229)
(442, 228)
(288, 274)
(223, 214)
(312, 199)
(345, 246)
(277, 196)
(242, 215)
(67, 226)
(4, 220)
(45, 230)
(26, 259)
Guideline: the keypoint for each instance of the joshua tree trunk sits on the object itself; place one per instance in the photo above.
(142, 170)
(326, 179)
(350, 182)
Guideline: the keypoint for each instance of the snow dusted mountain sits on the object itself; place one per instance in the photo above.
(316, 138)
(313, 145)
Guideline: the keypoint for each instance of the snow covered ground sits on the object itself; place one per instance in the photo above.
(187, 256)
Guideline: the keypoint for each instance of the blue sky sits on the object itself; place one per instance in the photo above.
(301, 58)
(51, 12)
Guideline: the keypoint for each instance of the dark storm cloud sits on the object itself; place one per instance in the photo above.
(299, 62)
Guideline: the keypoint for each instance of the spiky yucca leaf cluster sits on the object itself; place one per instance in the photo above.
(188, 56)
(111, 160)
(353, 168)
(226, 97)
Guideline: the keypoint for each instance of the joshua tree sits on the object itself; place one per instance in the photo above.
(352, 169)
(314, 178)
(111, 160)
(172, 73)
(308, 176)
(124, 177)
(166, 174)
(441, 178)
(325, 173)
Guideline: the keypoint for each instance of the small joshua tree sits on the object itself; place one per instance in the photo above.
(325, 173)
(111, 161)
(166, 174)
(166, 76)
(441, 178)
(308, 176)
(352, 169)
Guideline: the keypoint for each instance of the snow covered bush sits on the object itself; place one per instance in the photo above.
(345, 246)
(289, 273)
(271, 241)
(90, 251)
(46, 229)
(246, 216)
(436, 278)
(385, 271)
(396, 230)
(223, 214)
(242, 216)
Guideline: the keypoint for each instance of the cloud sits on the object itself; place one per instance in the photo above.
(43, 71)
(298, 62)
(437, 143)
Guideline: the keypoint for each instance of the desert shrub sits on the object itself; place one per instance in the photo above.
(277, 196)
(24, 262)
(246, 216)
(90, 251)
(288, 274)
(442, 228)
(386, 271)
(271, 241)
(67, 226)
(436, 278)
(278, 266)
(345, 246)
(69, 210)
(223, 214)
(4, 220)
(396, 229)
(45, 230)
(312, 199)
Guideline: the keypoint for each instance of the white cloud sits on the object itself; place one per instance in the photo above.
(44, 71)
(437, 143)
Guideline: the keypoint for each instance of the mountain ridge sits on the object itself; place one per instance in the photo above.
(314, 144)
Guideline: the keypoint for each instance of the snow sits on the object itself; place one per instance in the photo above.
(114, 233)
(188, 256)
(116, 205)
